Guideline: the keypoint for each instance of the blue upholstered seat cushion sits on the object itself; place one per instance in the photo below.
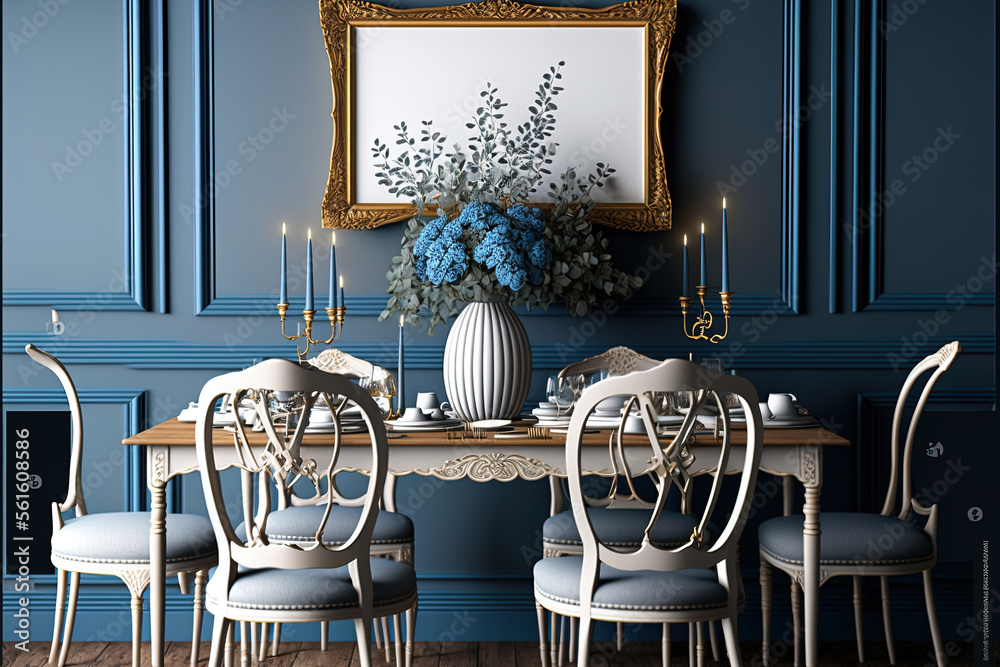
(299, 524)
(623, 527)
(848, 538)
(559, 580)
(123, 537)
(313, 589)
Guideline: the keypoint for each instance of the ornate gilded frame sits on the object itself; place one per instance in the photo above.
(340, 18)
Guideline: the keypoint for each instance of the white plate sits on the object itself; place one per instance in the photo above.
(490, 424)
(221, 419)
(439, 425)
(344, 428)
(802, 421)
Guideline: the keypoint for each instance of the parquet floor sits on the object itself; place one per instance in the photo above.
(474, 654)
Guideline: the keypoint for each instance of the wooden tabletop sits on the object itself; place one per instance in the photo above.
(177, 433)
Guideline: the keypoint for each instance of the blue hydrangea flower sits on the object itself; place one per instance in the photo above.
(528, 218)
(476, 214)
(428, 235)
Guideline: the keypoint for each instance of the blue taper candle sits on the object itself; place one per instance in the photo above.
(284, 267)
(310, 304)
(725, 249)
(686, 289)
(704, 272)
(400, 394)
(343, 301)
(333, 269)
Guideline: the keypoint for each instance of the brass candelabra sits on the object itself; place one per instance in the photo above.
(703, 323)
(335, 315)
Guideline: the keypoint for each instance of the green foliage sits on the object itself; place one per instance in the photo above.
(505, 167)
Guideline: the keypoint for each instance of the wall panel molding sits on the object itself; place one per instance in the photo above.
(836, 354)
(875, 411)
(133, 401)
(868, 233)
(132, 289)
(209, 302)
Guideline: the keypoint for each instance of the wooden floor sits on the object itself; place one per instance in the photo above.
(473, 654)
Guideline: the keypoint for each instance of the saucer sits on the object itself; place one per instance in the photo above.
(490, 424)
(802, 421)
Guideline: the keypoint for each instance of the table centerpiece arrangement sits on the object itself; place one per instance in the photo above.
(491, 245)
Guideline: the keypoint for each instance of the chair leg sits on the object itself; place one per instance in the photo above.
(563, 626)
(324, 635)
(731, 633)
(542, 648)
(553, 636)
(796, 623)
(932, 620)
(219, 628)
(411, 621)
(701, 644)
(136, 628)
(692, 634)
(60, 610)
(74, 593)
(254, 629)
(377, 630)
(666, 645)
(887, 620)
(396, 630)
(765, 610)
(583, 639)
(276, 641)
(184, 582)
(265, 628)
(244, 657)
(385, 635)
(199, 614)
(620, 632)
(364, 649)
(859, 618)
(230, 631)
(714, 640)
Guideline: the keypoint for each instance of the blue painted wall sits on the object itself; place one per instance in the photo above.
(849, 263)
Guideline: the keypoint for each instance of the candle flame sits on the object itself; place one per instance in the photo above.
(703, 228)
(685, 239)
(401, 318)
(333, 238)
(282, 229)
(341, 281)
(310, 234)
(723, 202)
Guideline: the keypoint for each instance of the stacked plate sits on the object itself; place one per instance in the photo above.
(551, 415)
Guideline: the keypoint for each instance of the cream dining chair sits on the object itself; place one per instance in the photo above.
(649, 582)
(846, 539)
(624, 525)
(262, 576)
(393, 535)
(115, 543)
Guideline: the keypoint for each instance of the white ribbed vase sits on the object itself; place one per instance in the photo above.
(487, 362)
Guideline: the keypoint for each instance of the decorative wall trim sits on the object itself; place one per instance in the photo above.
(870, 354)
(834, 286)
(134, 293)
(785, 301)
(869, 177)
(874, 413)
(133, 402)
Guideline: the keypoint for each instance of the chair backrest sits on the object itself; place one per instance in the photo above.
(669, 461)
(940, 361)
(279, 462)
(616, 361)
(74, 492)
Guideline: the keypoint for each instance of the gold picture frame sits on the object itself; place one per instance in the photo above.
(344, 20)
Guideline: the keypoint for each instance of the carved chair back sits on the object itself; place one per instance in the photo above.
(668, 461)
(280, 464)
(940, 361)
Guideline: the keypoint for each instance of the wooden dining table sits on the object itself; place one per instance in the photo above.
(792, 453)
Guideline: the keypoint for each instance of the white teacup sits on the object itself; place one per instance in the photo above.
(320, 416)
(612, 403)
(414, 415)
(436, 413)
(782, 406)
(428, 400)
(765, 412)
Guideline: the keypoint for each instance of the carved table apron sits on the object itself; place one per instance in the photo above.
(791, 453)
